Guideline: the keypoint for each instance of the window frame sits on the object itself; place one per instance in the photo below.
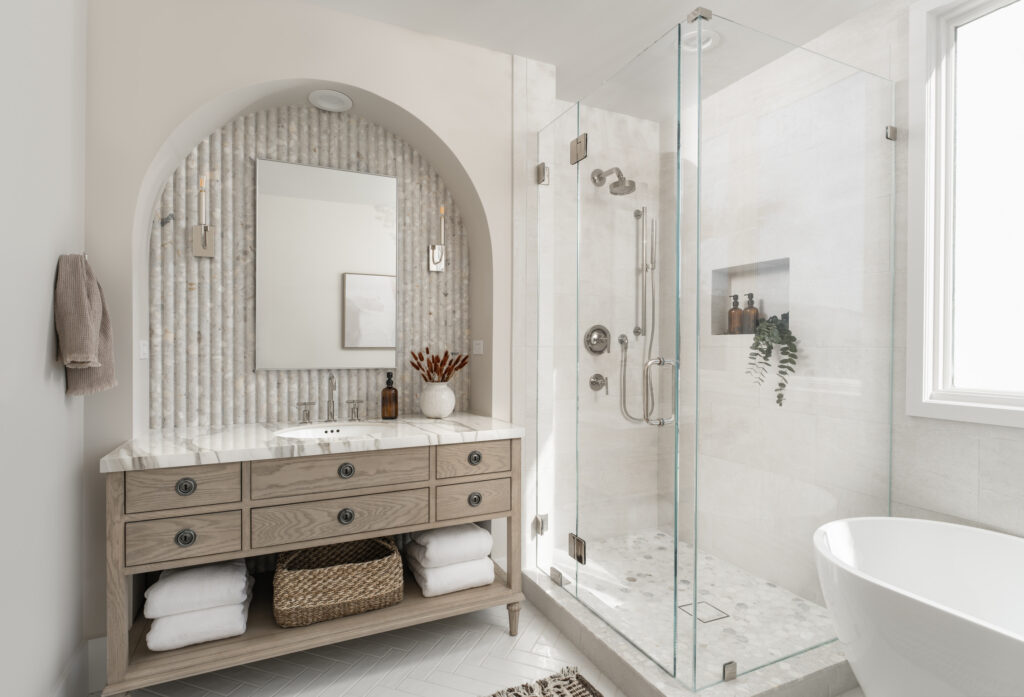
(932, 111)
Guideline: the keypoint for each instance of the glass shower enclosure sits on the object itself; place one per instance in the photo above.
(681, 471)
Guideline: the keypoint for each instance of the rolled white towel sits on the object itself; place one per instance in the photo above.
(187, 628)
(196, 588)
(440, 580)
(451, 545)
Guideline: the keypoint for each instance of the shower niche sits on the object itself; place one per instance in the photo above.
(767, 280)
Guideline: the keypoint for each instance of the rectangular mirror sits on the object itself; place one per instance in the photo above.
(325, 268)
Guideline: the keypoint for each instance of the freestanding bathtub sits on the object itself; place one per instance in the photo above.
(925, 609)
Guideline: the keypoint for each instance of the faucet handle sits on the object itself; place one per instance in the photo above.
(353, 408)
(304, 411)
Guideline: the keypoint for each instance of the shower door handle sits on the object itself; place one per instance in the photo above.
(648, 390)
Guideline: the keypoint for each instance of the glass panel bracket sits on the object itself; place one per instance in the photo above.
(543, 174)
(699, 13)
(729, 671)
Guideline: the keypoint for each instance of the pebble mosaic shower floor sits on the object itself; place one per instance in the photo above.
(745, 618)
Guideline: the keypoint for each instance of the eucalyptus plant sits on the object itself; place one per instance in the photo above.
(770, 333)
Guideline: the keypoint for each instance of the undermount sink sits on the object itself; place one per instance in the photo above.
(329, 430)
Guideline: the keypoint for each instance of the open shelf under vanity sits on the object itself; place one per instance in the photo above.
(264, 639)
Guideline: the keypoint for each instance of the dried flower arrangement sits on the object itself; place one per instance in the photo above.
(438, 368)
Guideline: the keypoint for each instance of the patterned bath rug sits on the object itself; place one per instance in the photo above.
(568, 683)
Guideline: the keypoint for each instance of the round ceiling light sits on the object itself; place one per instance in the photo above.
(330, 100)
(709, 38)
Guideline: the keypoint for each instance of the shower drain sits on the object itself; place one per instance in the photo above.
(706, 612)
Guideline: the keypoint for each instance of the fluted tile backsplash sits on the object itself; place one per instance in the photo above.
(202, 311)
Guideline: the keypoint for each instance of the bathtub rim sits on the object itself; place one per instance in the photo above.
(820, 547)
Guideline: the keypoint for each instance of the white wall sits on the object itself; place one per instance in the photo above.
(42, 61)
(944, 470)
(795, 165)
(155, 67)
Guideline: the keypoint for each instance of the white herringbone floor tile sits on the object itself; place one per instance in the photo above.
(467, 656)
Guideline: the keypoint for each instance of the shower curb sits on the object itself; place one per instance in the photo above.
(819, 672)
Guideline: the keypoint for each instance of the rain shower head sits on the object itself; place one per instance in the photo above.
(619, 187)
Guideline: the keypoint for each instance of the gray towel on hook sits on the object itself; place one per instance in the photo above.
(85, 342)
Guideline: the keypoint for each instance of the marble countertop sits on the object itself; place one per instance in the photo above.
(184, 447)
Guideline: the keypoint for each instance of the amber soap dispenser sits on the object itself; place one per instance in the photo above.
(389, 399)
(749, 322)
(735, 316)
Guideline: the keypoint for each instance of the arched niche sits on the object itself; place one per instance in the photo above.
(370, 106)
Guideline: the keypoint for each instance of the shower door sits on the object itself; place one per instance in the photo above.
(609, 324)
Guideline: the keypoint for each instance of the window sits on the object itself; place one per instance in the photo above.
(966, 254)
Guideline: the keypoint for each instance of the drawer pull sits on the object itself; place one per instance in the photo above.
(346, 516)
(346, 470)
(475, 498)
(185, 538)
(475, 458)
(186, 486)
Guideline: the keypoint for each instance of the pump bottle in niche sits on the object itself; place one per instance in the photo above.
(749, 322)
(389, 399)
(735, 316)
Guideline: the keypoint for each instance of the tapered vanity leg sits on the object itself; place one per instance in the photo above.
(513, 619)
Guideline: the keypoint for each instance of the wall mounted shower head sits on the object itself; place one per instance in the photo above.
(620, 186)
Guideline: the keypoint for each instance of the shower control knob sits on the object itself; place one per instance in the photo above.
(598, 382)
(597, 339)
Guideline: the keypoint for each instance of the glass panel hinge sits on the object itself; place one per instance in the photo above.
(578, 149)
(578, 548)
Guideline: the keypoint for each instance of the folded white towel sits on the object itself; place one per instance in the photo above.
(196, 588)
(454, 577)
(175, 631)
(451, 545)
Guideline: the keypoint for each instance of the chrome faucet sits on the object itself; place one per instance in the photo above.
(332, 387)
(304, 417)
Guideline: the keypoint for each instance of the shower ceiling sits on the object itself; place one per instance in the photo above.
(587, 40)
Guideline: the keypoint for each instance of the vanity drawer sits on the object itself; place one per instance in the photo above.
(464, 459)
(314, 475)
(182, 537)
(473, 498)
(181, 487)
(299, 522)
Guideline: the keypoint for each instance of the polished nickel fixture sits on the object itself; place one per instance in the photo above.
(619, 187)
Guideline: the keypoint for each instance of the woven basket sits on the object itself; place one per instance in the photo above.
(324, 583)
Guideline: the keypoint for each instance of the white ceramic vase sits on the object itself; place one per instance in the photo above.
(437, 400)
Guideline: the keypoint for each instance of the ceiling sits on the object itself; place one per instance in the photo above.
(588, 40)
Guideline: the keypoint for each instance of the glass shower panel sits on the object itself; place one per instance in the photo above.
(627, 285)
(557, 345)
(795, 194)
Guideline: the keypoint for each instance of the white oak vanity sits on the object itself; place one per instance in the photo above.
(186, 497)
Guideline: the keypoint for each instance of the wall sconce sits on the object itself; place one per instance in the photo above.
(202, 234)
(435, 255)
